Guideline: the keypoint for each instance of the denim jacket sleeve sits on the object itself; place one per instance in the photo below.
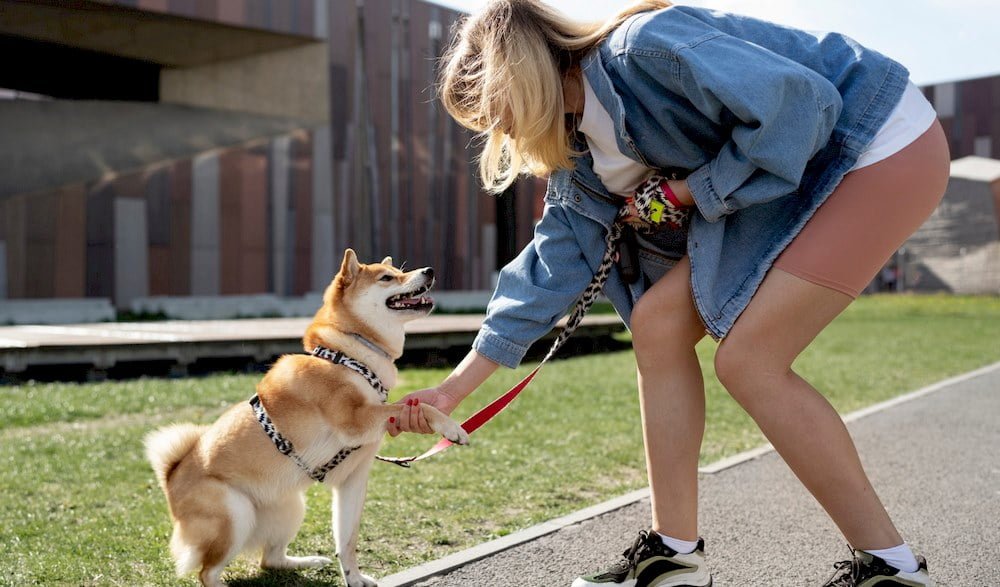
(780, 113)
(534, 290)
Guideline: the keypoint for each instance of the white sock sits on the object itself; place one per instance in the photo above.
(681, 546)
(900, 557)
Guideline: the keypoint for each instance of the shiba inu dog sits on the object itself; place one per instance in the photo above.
(239, 484)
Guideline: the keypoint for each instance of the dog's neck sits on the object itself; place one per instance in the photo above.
(385, 354)
(377, 355)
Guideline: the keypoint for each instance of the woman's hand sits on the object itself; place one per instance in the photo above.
(411, 419)
(470, 374)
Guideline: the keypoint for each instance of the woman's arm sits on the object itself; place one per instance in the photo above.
(463, 380)
(780, 114)
(533, 292)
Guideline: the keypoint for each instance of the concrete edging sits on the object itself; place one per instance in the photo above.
(426, 571)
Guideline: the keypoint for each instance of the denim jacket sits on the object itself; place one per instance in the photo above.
(763, 120)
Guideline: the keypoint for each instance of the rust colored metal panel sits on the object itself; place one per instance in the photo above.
(40, 250)
(158, 228)
(100, 240)
(15, 210)
(967, 134)
(159, 274)
(184, 8)
(258, 13)
(378, 22)
(948, 125)
(304, 18)
(280, 16)
(254, 225)
(995, 133)
(158, 218)
(232, 12)
(208, 9)
(404, 228)
(301, 199)
(974, 99)
(462, 250)
(342, 19)
(155, 5)
(230, 219)
(420, 131)
(70, 276)
(180, 228)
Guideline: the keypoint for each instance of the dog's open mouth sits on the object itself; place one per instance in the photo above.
(414, 300)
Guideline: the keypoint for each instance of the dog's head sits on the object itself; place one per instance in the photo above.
(379, 289)
(374, 300)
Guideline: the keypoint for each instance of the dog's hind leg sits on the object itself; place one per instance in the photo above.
(348, 502)
(277, 525)
(208, 535)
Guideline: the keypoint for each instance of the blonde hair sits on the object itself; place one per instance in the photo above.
(503, 78)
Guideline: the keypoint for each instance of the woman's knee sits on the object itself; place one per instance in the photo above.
(746, 368)
(659, 322)
(732, 362)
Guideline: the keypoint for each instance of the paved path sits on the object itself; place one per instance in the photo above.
(935, 461)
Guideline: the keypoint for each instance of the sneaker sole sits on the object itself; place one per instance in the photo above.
(633, 583)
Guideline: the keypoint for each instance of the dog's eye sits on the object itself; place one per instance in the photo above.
(386, 277)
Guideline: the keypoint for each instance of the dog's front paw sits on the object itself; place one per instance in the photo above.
(456, 434)
(359, 580)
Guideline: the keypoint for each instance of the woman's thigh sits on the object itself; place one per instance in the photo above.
(666, 312)
(870, 214)
(873, 211)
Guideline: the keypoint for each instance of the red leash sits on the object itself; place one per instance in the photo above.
(473, 423)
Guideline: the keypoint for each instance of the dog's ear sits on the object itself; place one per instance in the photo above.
(387, 261)
(349, 269)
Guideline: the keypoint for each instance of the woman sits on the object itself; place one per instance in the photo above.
(791, 166)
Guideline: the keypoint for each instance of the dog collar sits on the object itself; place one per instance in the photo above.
(285, 447)
(372, 346)
(340, 358)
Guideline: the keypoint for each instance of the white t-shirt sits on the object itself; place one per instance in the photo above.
(621, 175)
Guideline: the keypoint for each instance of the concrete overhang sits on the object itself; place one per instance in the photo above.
(168, 40)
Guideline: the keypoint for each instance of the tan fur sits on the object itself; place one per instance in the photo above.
(227, 486)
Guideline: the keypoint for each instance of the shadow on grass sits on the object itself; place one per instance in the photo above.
(282, 578)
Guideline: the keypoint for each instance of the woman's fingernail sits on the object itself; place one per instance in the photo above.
(416, 401)
(409, 402)
(392, 420)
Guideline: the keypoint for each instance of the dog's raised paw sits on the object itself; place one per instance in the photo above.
(458, 435)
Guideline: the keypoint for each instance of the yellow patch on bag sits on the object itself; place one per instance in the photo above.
(656, 209)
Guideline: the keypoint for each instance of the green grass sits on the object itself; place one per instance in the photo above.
(80, 506)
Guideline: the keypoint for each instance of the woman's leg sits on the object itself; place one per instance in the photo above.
(665, 329)
(839, 251)
(754, 363)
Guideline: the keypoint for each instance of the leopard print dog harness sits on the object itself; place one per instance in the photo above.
(284, 445)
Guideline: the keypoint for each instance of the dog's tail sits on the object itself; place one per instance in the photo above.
(167, 447)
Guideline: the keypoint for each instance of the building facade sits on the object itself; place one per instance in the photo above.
(222, 147)
(309, 126)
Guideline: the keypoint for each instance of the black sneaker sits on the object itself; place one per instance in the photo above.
(868, 570)
(651, 563)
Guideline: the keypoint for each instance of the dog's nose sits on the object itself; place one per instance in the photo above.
(428, 272)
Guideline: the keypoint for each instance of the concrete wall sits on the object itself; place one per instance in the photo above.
(958, 248)
(288, 82)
